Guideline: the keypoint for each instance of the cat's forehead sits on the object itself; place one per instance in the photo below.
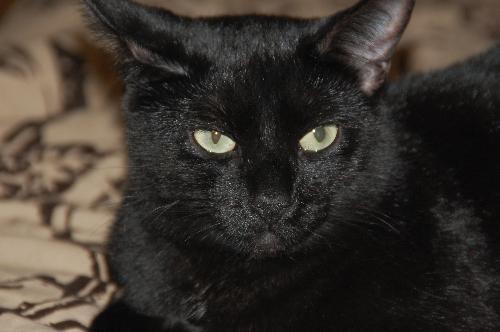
(258, 78)
(241, 37)
(269, 95)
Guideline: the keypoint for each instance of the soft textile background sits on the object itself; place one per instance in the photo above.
(61, 153)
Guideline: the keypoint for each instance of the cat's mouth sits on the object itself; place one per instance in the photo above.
(284, 236)
(268, 245)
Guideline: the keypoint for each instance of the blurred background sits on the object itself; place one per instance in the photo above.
(62, 165)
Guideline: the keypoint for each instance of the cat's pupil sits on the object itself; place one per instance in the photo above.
(319, 134)
(216, 137)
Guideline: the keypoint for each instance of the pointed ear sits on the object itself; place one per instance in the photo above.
(140, 33)
(364, 38)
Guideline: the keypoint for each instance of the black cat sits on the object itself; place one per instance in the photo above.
(277, 183)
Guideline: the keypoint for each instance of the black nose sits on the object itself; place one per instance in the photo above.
(271, 192)
(270, 184)
(271, 204)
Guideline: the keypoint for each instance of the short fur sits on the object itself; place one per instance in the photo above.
(393, 228)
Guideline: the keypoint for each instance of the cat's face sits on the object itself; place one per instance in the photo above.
(249, 133)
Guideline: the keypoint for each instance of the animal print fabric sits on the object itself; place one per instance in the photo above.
(62, 161)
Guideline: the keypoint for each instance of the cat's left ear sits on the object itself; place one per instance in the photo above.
(364, 38)
(146, 35)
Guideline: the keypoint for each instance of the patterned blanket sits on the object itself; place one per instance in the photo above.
(61, 155)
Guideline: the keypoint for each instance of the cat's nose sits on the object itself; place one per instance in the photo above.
(271, 204)
(271, 198)
(270, 185)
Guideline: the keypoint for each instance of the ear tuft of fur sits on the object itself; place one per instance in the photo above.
(139, 33)
(365, 37)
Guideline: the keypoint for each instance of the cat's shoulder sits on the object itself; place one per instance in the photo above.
(482, 70)
(467, 91)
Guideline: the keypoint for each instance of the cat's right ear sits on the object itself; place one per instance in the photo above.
(364, 38)
(140, 33)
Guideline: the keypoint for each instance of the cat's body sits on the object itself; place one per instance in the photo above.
(394, 227)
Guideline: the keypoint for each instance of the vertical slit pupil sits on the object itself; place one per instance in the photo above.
(319, 134)
(216, 137)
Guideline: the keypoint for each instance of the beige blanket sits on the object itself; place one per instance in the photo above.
(61, 156)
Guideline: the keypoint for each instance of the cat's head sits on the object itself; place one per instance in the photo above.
(256, 134)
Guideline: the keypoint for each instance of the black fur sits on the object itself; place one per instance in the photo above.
(393, 228)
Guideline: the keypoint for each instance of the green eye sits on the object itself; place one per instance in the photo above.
(319, 138)
(214, 142)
